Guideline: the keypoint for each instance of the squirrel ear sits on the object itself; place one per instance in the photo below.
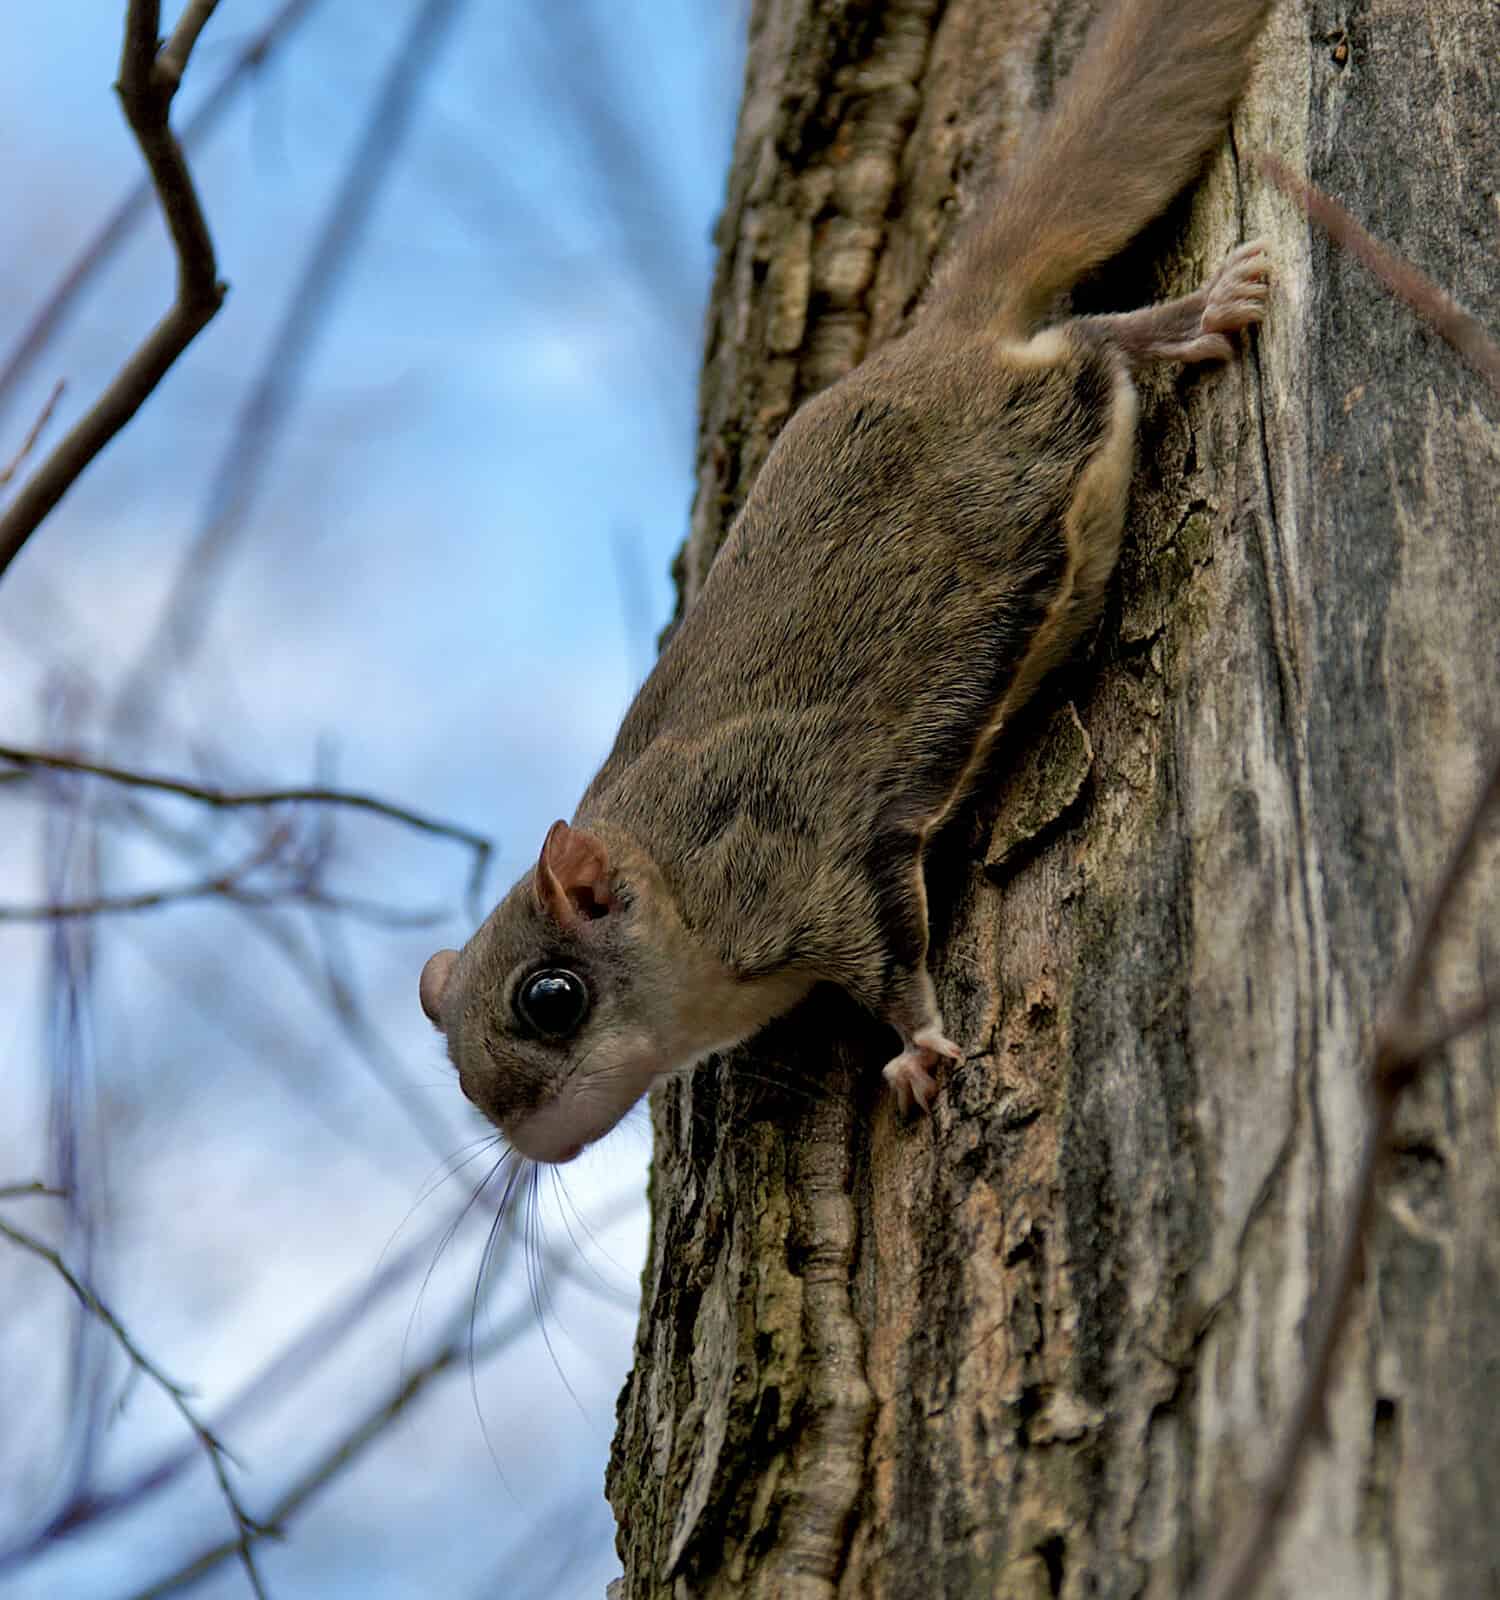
(572, 876)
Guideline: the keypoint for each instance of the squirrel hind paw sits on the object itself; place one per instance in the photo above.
(909, 1074)
(1238, 293)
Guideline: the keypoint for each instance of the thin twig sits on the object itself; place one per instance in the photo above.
(147, 103)
(1402, 1047)
(1405, 1007)
(28, 444)
(274, 923)
(184, 616)
(1402, 1044)
(220, 883)
(230, 799)
(247, 1529)
(70, 856)
(456, 1345)
(229, 885)
(19, 1191)
(295, 1362)
(172, 58)
(1434, 305)
(116, 228)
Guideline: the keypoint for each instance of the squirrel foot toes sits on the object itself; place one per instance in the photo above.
(933, 1039)
(1238, 293)
(908, 1075)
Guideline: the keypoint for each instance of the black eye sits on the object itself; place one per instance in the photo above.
(553, 1001)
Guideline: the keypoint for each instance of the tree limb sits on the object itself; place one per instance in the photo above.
(184, 616)
(172, 58)
(28, 444)
(112, 233)
(146, 94)
(229, 799)
(1435, 306)
(457, 1343)
(246, 1528)
(20, 1191)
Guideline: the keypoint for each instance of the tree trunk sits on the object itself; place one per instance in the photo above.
(1042, 1343)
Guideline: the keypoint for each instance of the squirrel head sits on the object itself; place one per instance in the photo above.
(578, 991)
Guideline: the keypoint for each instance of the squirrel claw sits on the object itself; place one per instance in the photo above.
(1238, 291)
(932, 1039)
(913, 1084)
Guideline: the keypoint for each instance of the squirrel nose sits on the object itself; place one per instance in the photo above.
(434, 981)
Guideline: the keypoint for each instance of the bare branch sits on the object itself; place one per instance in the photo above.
(271, 918)
(28, 444)
(230, 886)
(1465, 1020)
(147, 96)
(147, 102)
(19, 1191)
(1401, 1048)
(1400, 1025)
(185, 613)
(457, 1344)
(229, 799)
(116, 228)
(295, 1362)
(221, 883)
(1434, 305)
(246, 1528)
(172, 59)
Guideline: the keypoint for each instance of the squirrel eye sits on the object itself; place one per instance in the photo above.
(553, 1001)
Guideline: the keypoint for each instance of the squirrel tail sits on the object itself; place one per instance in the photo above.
(1148, 99)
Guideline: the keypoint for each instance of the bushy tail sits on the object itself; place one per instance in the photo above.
(1146, 102)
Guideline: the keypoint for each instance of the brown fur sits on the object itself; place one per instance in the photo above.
(925, 541)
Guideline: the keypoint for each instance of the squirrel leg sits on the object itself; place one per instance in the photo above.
(1197, 326)
(913, 1012)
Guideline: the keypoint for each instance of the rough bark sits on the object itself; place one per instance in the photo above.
(1040, 1345)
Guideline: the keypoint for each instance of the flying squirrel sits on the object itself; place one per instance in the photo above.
(927, 538)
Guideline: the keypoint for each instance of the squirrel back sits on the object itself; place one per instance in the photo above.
(1146, 101)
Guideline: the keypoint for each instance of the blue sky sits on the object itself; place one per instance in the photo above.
(447, 586)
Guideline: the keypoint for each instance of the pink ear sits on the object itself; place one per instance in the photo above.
(572, 876)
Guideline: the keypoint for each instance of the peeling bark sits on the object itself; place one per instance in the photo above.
(1040, 1345)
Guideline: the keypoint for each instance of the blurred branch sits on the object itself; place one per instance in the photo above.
(229, 799)
(229, 885)
(246, 1528)
(322, 970)
(457, 1343)
(1435, 306)
(19, 1191)
(146, 95)
(270, 918)
(222, 883)
(76, 1154)
(296, 1361)
(1404, 1044)
(184, 615)
(102, 247)
(28, 444)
